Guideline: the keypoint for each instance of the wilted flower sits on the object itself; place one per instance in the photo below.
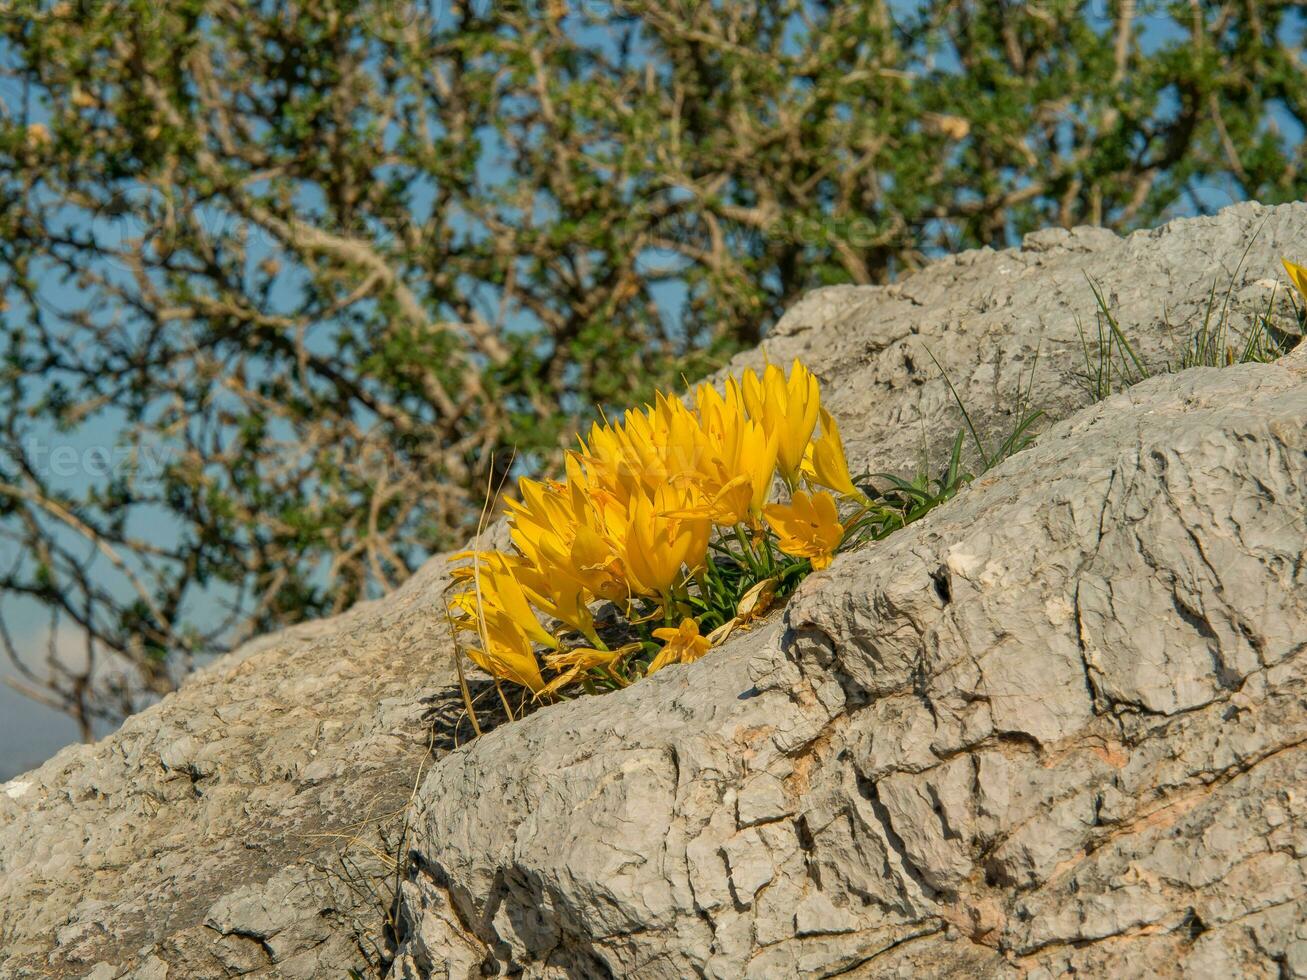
(574, 663)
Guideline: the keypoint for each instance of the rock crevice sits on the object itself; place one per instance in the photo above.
(1060, 724)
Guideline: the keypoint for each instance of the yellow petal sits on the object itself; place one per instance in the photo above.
(667, 655)
(825, 463)
(807, 527)
(507, 654)
(720, 634)
(683, 645)
(1298, 275)
(561, 681)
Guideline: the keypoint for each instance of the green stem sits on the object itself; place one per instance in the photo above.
(768, 558)
(701, 579)
(749, 555)
(668, 609)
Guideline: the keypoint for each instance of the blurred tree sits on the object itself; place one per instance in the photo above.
(323, 268)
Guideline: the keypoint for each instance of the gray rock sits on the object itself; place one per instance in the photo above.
(239, 826)
(762, 800)
(1056, 725)
(988, 774)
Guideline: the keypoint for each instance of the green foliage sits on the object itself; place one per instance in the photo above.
(1218, 344)
(733, 569)
(1112, 364)
(1110, 361)
(341, 265)
(1022, 434)
(903, 501)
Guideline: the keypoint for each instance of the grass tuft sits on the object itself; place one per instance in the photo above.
(1111, 362)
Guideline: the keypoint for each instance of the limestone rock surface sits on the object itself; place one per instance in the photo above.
(1058, 724)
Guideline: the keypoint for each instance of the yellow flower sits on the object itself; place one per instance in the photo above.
(542, 524)
(719, 414)
(682, 645)
(1298, 275)
(733, 460)
(560, 532)
(786, 408)
(658, 542)
(736, 487)
(495, 588)
(743, 467)
(825, 465)
(808, 527)
(649, 448)
(558, 595)
(620, 460)
(633, 516)
(463, 611)
(505, 652)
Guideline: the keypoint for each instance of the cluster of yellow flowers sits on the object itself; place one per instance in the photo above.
(667, 516)
(644, 519)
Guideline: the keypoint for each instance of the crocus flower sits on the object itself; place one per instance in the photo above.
(559, 531)
(718, 413)
(807, 527)
(633, 516)
(734, 459)
(787, 408)
(825, 465)
(495, 587)
(681, 645)
(660, 549)
(505, 652)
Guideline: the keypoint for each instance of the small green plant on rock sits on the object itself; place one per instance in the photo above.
(1111, 363)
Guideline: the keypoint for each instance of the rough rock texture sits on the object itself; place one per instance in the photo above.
(1056, 724)
(233, 826)
(1060, 724)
